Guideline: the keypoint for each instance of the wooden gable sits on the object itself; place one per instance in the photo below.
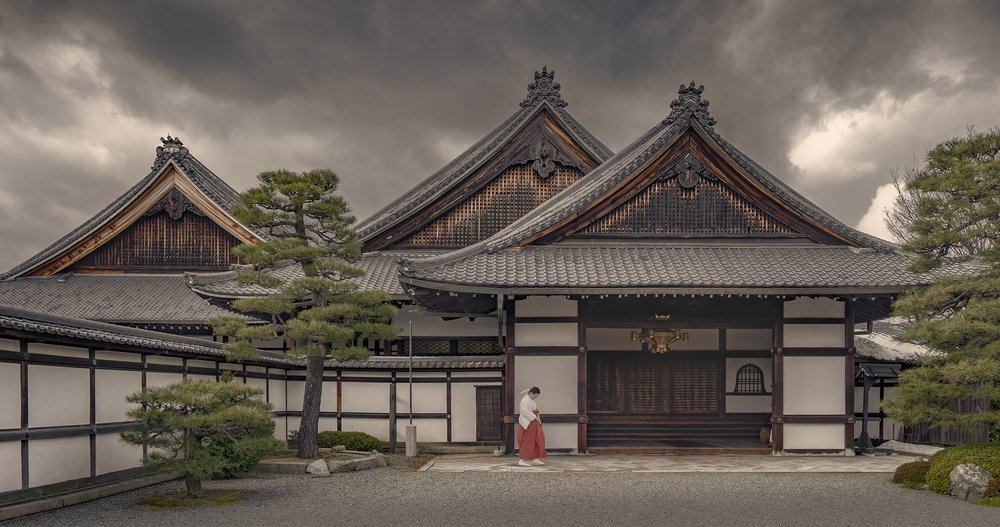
(170, 226)
(541, 160)
(692, 189)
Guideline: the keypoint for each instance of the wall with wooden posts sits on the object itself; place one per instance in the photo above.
(814, 373)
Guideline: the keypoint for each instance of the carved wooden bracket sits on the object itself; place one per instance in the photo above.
(175, 204)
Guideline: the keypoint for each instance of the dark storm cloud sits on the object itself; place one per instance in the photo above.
(387, 92)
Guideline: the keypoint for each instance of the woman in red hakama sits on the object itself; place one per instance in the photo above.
(531, 438)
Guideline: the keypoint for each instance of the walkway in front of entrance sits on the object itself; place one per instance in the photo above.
(666, 463)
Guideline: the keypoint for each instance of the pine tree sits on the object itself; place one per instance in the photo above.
(956, 217)
(323, 314)
(204, 429)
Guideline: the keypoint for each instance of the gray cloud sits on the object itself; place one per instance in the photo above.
(828, 95)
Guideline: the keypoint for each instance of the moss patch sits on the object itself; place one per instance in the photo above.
(988, 502)
(335, 456)
(178, 499)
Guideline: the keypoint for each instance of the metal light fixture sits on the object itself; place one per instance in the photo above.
(659, 341)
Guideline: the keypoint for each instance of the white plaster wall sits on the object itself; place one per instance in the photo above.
(814, 335)
(328, 400)
(228, 366)
(814, 386)
(546, 306)
(611, 339)
(10, 397)
(327, 424)
(155, 379)
(555, 375)
(293, 423)
(160, 359)
(58, 396)
(56, 460)
(460, 374)
(463, 412)
(560, 334)
(428, 326)
(376, 427)
(260, 384)
(428, 430)
(365, 397)
(279, 428)
(813, 436)
(805, 307)
(294, 391)
(748, 339)
(52, 349)
(10, 465)
(11, 345)
(736, 404)
(113, 454)
(111, 387)
(193, 363)
(426, 397)
(276, 394)
(559, 435)
(117, 356)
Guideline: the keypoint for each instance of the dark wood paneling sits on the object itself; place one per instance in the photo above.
(639, 383)
(489, 413)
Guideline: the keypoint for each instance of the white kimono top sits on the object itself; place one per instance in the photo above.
(528, 408)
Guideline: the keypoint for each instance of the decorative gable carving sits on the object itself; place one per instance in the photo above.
(175, 203)
(544, 87)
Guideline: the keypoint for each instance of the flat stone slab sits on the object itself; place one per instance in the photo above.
(910, 448)
(365, 460)
(669, 463)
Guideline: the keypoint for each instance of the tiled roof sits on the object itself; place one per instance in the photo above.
(171, 153)
(381, 274)
(543, 94)
(423, 363)
(13, 318)
(881, 343)
(160, 299)
(726, 268)
(689, 109)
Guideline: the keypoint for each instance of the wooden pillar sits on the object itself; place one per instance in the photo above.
(24, 414)
(777, 378)
(509, 390)
(392, 414)
(849, 375)
(581, 375)
(448, 402)
(93, 412)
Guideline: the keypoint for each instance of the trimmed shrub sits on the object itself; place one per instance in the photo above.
(992, 488)
(351, 440)
(986, 455)
(912, 475)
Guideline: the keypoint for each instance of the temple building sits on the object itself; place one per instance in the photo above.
(675, 296)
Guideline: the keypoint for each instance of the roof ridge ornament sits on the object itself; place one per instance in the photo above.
(689, 100)
(544, 87)
(172, 148)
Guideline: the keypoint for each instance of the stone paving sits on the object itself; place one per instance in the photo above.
(671, 463)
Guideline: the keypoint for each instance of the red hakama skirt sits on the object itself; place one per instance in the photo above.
(531, 441)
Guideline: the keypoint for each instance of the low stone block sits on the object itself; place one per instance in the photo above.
(337, 467)
(318, 468)
(969, 481)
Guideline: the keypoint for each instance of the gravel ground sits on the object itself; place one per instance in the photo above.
(398, 496)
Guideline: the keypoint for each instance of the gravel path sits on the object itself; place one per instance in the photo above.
(395, 496)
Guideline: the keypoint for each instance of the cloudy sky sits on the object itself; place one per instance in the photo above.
(830, 96)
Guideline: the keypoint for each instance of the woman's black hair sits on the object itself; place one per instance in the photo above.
(535, 389)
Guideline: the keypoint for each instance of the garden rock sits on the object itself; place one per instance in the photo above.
(969, 481)
(319, 468)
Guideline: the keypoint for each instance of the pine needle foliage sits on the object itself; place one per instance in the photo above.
(204, 429)
(955, 203)
(322, 314)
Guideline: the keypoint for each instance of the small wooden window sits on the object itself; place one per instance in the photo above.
(488, 413)
(749, 380)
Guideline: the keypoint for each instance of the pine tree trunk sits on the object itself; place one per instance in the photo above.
(193, 485)
(311, 400)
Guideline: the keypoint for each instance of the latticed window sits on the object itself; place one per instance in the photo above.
(750, 380)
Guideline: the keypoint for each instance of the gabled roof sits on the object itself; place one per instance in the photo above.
(534, 252)
(171, 157)
(543, 96)
(119, 299)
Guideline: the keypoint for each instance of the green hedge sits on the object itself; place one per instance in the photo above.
(986, 455)
(351, 440)
(912, 475)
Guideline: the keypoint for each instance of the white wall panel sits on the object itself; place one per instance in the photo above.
(814, 386)
(64, 351)
(805, 307)
(11, 345)
(279, 428)
(58, 396)
(56, 460)
(561, 334)
(559, 435)
(430, 398)
(10, 397)
(294, 392)
(463, 412)
(555, 375)
(366, 397)
(328, 400)
(546, 306)
(813, 436)
(154, 379)
(111, 387)
(814, 336)
(748, 339)
(194, 363)
(161, 359)
(260, 384)
(376, 427)
(10, 465)
(119, 356)
(736, 404)
(327, 424)
(276, 394)
(611, 339)
(113, 454)
(428, 326)
(428, 430)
